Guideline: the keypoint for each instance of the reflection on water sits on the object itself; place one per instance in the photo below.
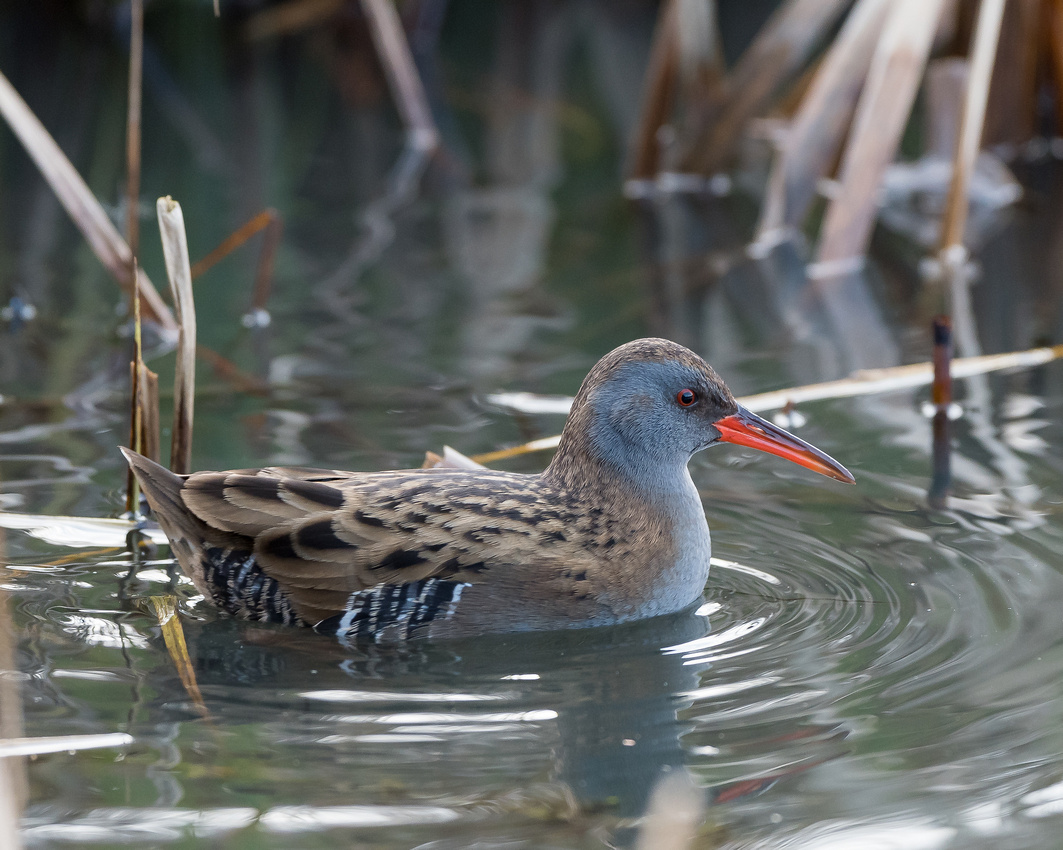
(866, 670)
(820, 692)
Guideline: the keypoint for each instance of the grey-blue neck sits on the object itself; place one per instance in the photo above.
(637, 430)
(628, 442)
(647, 445)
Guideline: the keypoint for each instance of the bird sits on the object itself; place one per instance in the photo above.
(613, 530)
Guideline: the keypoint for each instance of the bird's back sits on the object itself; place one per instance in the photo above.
(436, 551)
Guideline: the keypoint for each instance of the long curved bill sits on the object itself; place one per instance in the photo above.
(745, 428)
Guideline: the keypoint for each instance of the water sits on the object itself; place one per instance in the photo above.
(865, 671)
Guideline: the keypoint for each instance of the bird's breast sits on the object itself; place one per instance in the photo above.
(666, 570)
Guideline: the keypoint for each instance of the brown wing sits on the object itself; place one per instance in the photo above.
(323, 536)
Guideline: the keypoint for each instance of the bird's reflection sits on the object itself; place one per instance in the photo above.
(600, 708)
(610, 694)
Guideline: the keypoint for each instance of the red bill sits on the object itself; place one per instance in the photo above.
(745, 428)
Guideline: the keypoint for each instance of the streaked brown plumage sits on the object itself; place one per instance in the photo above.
(612, 530)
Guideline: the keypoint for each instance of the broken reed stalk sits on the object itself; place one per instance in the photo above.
(941, 388)
(144, 419)
(173, 635)
(944, 89)
(270, 221)
(815, 135)
(136, 64)
(941, 395)
(234, 240)
(658, 91)
(267, 255)
(881, 114)
(873, 381)
(1054, 14)
(230, 372)
(972, 121)
(393, 51)
(178, 269)
(702, 66)
(131, 484)
(79, 202)
(144, 403)
(778, 52)
(147, 384)
(1011, 115)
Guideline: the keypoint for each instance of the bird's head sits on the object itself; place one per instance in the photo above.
(649, 405)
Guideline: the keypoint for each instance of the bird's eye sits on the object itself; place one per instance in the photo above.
(686, 397)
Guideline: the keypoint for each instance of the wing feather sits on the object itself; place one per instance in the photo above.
(324, 536)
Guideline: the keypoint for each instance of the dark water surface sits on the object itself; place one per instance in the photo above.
(866, 672)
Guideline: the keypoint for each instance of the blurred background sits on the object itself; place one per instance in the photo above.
(407, 283)
(599, 174)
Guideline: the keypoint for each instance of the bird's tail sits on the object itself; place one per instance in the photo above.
(184, 530)
(162, 487)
